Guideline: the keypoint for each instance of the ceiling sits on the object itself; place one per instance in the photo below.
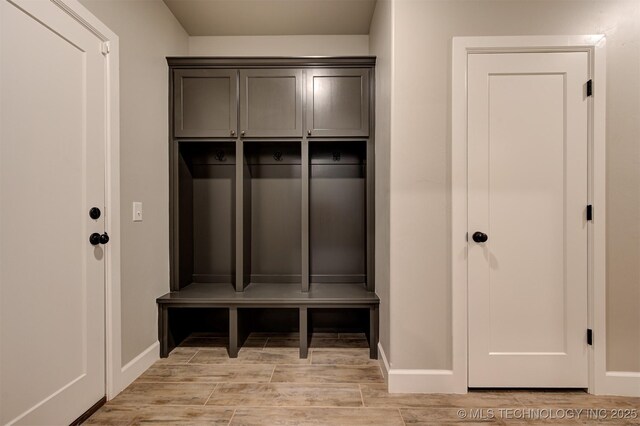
(273, 17)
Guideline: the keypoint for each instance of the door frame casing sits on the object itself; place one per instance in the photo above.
(599, 381)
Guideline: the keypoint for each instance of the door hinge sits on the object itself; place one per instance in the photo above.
(589, 212)
(590, 88)
(105, 48)
(589, 337)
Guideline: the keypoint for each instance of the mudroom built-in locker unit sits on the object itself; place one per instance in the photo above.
(271, 199)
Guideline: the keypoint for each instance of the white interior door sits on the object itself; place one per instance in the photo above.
(527, 171)
(52, 171)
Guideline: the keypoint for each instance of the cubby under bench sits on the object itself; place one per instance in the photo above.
(270, 297)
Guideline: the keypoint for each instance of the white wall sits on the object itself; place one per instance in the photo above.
(300, 45)
(148, 32)
(420, 282)
(381, 43)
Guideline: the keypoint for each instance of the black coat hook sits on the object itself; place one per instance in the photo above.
(336, 156)
(277, 156)
(220, 156)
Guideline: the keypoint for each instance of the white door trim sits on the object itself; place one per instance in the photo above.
(113, 379)
(600, 382)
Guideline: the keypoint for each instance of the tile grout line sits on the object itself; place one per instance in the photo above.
(401, 417)
(260, 382)
(250, 407)
(148, 405)
(211, 394)
(272, 373)
(232, 415)
(264, 382)
(192, 357)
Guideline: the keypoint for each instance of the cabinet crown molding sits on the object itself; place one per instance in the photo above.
(266, 61)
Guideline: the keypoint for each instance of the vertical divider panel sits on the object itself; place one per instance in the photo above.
(304, 164)
(185, 220)
(173, 217)
(233, 332)
(374, 319)
(305, 213)
(370, 174)
(370, 215)
(304, 332)
(240, 166)
(246, 220)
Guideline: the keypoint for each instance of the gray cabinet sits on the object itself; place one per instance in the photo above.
(271, 102)
(271, 227)
(337, 102)
(205, 103)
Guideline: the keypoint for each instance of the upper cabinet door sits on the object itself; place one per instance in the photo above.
(271, 102)
(337, 102)
(205, 103)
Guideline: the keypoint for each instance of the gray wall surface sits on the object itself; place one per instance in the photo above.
(148, 33)
(380, 45)
(420, 282)
(296, 45)
(412, 39)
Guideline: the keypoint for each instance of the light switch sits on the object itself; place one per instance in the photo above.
(137, 211)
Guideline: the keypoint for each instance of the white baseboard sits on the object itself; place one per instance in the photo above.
(622, 383)
(422, 381)
(384, 364)
(136, 367)
(418, 381)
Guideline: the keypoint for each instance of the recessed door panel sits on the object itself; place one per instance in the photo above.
(271, 102)
(205, 103)
(528, 192)
(338, 102)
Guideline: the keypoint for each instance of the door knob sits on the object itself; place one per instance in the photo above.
(480, 237)
(94, 213)
(104, 238)
(96, 238)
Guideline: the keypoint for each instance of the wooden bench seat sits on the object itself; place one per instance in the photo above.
(207, 295)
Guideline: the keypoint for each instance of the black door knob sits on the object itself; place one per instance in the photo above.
(94, 239)
(94, 213)
(104, 238)
(480, 237)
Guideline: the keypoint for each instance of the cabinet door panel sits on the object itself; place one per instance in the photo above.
(205, 103)
(271, 102)
(338, 102)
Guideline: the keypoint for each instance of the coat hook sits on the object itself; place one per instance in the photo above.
(277, 156)
(336, 156)
(220, 156)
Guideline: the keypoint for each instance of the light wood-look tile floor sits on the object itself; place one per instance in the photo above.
(268, 384)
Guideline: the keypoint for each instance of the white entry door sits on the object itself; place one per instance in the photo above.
(52, 172)
(527, 180)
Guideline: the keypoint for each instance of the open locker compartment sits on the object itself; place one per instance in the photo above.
(201, 327)
(272, 198)
(337, 213)
(206, 212)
